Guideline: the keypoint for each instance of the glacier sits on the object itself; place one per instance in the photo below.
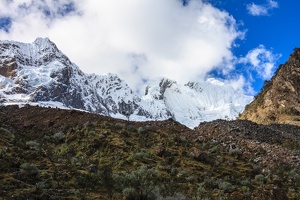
(194, 102)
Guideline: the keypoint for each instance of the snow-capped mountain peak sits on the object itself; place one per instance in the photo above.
(193, 102)
(40, 73)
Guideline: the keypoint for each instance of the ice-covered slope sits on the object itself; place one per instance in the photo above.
(192, 103)
(41, 74)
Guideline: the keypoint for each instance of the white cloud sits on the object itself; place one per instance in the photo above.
(259, 10)
(239, 83)
(273, 4)
(262, 61)
(136, 39)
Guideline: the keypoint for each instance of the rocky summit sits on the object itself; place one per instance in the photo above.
(279, 99)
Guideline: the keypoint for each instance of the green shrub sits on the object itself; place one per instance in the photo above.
(33, 145)
(151, 128)
(246, 183)
(201, 191)
(183, 139)
(131, 128)
(30, 169)
(129, 193)
(106, 123)
(59, 135)
(43, 185)
(210, 183)
(235, 152)
(88, 124)
(294, 175)
(6, 134)
(142, 130)
(141, 155)
(225, 186)
(260, 178)
(92, 133)
(3, 151)
(120, 126)
(215, 149)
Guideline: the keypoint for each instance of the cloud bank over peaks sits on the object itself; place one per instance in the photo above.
(262, 10)
(136, 39)
(133, 38)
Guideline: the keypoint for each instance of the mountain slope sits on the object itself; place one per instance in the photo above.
(40, 74)
(48, 153)
(279, 100)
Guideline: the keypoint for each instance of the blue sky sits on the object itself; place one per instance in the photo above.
(239, 42)
(278, 29)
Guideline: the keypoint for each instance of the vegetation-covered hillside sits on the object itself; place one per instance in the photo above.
(65, 154)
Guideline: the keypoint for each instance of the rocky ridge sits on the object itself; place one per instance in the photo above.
(279, 99)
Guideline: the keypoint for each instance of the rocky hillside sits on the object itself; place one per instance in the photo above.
(48, 153)
(279, 99)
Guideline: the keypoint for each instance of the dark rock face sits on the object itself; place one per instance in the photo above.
(163, 85)
(116, 95)
(279, 100)
(127, 108)
(195, 86)
(7, 67)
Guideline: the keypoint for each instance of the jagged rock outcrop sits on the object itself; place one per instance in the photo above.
(279, 99)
